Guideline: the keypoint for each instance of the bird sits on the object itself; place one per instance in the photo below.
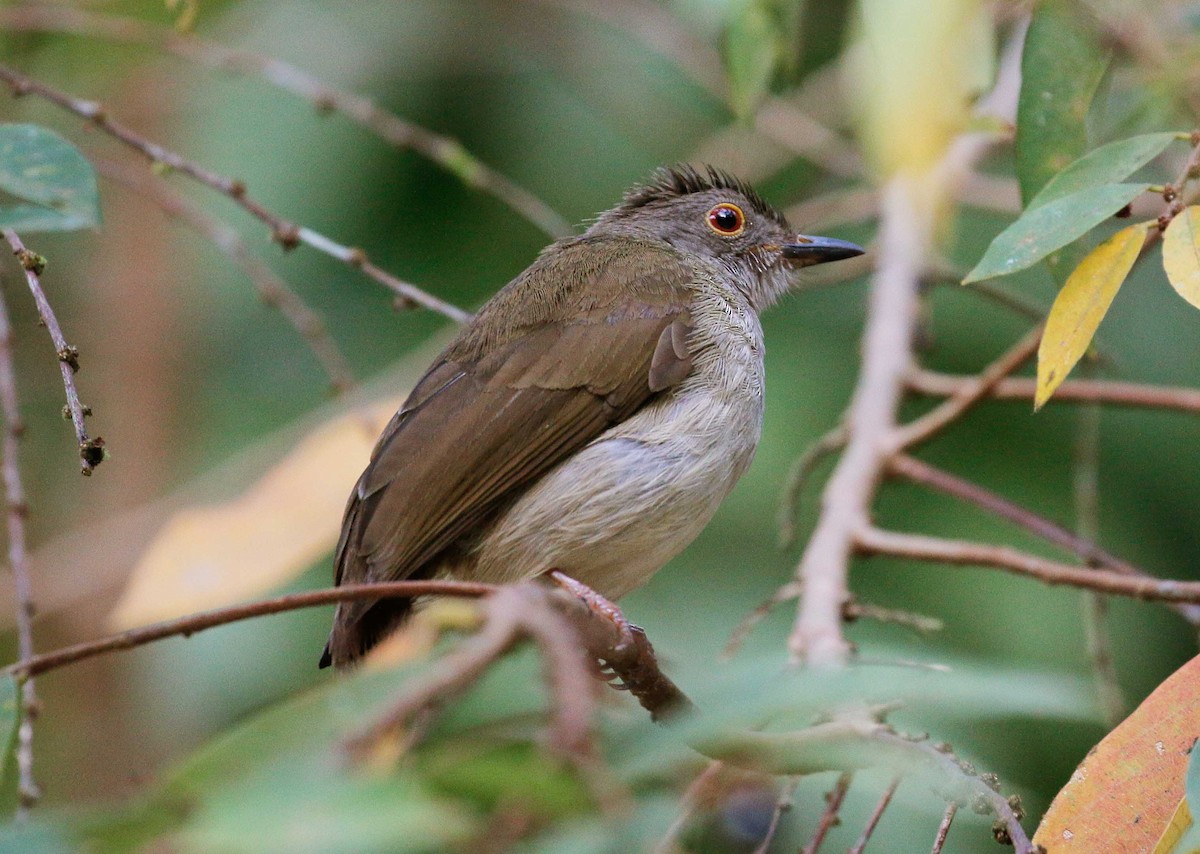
(592, 415)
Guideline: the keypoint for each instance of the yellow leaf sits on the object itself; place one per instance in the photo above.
(1082, 304)
(216, 555)
(1181, 254)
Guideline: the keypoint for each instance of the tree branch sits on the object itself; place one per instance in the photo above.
(325, 98)
(288, 234)
(28, 790)
(873, 540)
(1071, 391)
(272, 290)
(193, 623)
(91, 451)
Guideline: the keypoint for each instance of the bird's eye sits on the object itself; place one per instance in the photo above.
(727, 220)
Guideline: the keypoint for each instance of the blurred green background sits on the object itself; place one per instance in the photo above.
(196, 384)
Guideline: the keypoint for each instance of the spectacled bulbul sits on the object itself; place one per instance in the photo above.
(593, 414)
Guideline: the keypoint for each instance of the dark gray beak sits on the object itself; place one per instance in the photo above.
(807, 251)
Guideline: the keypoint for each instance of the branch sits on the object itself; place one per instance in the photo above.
(873, 540)
(446, 152)
(887, 351)
(873, 819)
(829, 816)
(286, 233)
(18, 558)
(91, 451)
(969, 394)
(272, 290)
(939, 841)
(193, 623)
(1072, 391)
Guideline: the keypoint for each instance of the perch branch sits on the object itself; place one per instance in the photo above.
(28, 790)
(91, 451)
(325, 98)
(271, 289)
(873, 540)
(286, 233)
(1073, 391)
(829, 816)
(193, 623)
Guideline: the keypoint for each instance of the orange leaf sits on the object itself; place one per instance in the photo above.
(1181, 254)
(215, 555)
(1082, 304)
(1122, 796)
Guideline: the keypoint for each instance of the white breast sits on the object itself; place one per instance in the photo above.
(614, 513)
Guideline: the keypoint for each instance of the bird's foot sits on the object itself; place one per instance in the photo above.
(630, 635)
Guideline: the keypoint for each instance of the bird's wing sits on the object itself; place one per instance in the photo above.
(507, 402)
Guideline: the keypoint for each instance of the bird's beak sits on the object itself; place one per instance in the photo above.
(807, 251)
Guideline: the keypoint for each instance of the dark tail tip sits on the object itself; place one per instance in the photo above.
(326, 658)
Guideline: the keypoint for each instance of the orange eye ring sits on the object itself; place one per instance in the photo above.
(726, 219)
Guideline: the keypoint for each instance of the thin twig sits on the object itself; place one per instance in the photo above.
(797, 478)
(18, 560)
(689, 802)
(969, 394)
(738, 636)
(288, 234)
(193, 623)
(858, 610)
(1086, 498)
(91, 451)
(829, 817)
(873, 819)
(1071, 391)
(873, 540)
(446, 152)
(455, 673)
(939, 841)
(272, 290)
(1085, 549)
(783, 803)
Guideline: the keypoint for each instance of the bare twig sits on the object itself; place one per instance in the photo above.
(783, 803)
(286, 233)
(272, 290)
(325, 98)
(887, 350)
(873, 540)
(1085, 549)
(692, 797)
(18, 560)
(829, 817)
(91, 451)
(858, 610)
(873, 819)
(738, 636)
(939, 841)
(797, 477)
(968, 394)
(192, 623)
(455, 673)
(1086, 497)
(1071, 391)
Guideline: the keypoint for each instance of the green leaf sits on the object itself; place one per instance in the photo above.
(40, 167)
(1108, 164)
(1181, 254)
(1082, 304)
(1061, 68)
(751, 55)
(1041, 230)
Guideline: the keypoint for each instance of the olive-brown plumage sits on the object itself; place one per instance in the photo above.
(591, 416)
